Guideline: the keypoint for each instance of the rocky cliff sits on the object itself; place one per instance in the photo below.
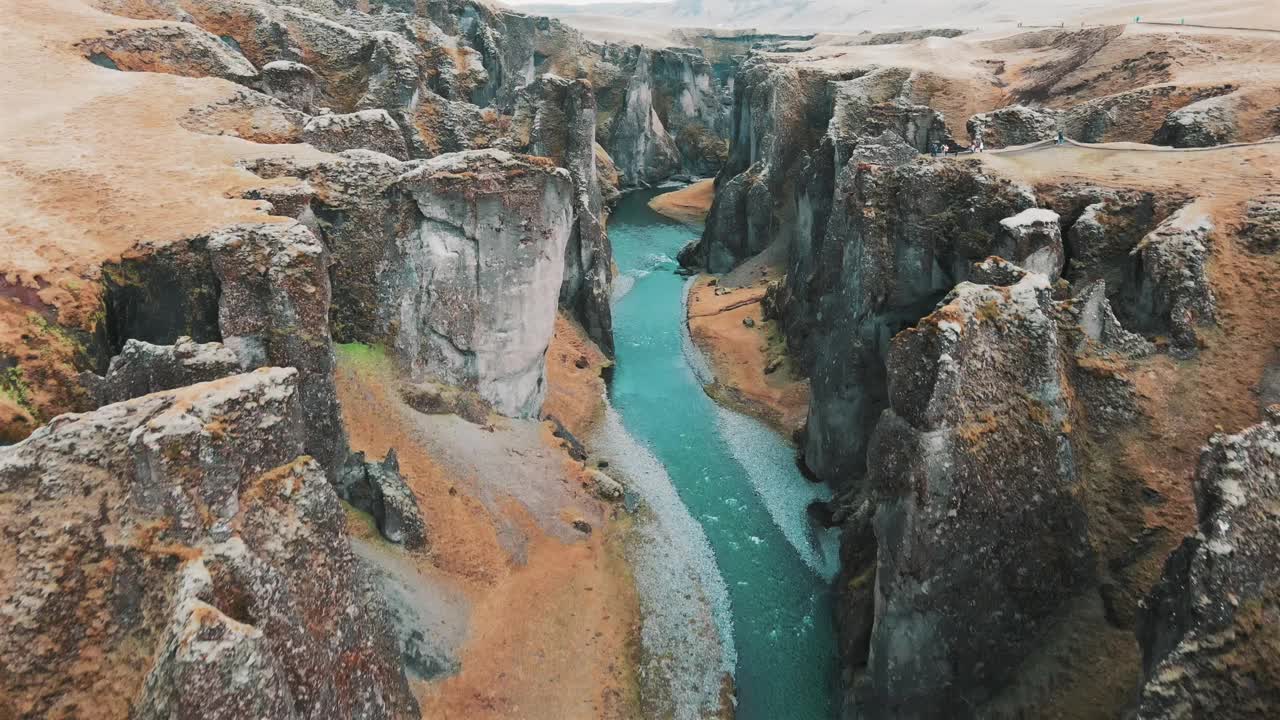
(418, 80)
(178, 555)
(976, 333)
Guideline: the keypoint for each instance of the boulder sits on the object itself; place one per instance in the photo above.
(603, 486)
(1261, 230)
(1210, 631)
(380, 490)
(367, 129)
(178, 555)
(1203, 123)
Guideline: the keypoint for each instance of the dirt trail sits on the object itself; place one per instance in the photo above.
(553, 612)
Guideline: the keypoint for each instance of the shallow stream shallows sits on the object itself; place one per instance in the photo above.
(735, 476)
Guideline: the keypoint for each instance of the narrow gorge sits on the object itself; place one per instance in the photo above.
(434, 359)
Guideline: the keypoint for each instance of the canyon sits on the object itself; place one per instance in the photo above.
(389, 359)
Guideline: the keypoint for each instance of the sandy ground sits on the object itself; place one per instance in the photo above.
(689, 204)
(574, 384)
(550, 612)
(751, 369)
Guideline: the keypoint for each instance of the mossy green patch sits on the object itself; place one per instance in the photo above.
(14, 385)
(363, 358)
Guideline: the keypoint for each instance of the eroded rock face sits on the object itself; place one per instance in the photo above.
(1209, 633)
(897, 241)
(973, 471)
(779, 113)
(475, 282)
(556, 118)
(178, 553)
(274, 311)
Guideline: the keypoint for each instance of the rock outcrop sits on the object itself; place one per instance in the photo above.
(1014, 125)
(1209, 632)
(473, 286)
(898, 239)
(973, 471)
(378, 489)
(142, 368)
(273, 310)
(179, 553)
(556, 118)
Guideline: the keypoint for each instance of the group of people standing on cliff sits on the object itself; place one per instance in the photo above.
(937, 147)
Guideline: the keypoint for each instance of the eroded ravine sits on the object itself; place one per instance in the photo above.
(733, 474)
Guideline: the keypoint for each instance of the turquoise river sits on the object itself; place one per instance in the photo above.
(735, 476)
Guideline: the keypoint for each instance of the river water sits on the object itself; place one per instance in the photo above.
(736, 478)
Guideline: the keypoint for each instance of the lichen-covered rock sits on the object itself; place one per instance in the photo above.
(274, 311)
(142, 368)
(1210, 633)
(1033, 239)
(200, 669)
(367, 129)
(980, 535)
(997, 271)
(1174, 291)
(292, 83)
(379, 489)
(176, 49)
(161, 544)
(474, 284)
(1014, 125)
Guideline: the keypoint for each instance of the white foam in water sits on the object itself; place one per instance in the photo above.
(770, 466)
(686, 627)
